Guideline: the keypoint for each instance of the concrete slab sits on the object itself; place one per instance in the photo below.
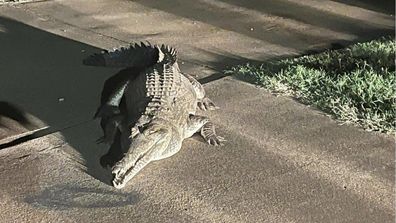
(283, 161)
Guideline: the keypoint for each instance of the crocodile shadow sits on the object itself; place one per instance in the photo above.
(62, 197)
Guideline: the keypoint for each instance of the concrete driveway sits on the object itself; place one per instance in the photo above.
(283, 162)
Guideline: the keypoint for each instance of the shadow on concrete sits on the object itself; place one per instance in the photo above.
(223, 61)
(8, 110)
(43, 74)
(384, 6)
(63, 197)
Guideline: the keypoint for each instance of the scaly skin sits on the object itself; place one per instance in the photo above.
(161, 103)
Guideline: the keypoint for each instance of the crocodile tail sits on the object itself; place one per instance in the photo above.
(135, 55)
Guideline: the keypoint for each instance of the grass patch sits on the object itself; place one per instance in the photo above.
(355, 84)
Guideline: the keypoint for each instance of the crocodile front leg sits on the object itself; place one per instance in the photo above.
(110, 126)
(208, 132)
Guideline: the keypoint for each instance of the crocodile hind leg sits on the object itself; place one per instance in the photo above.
(119, 145)
(145, 148)
(204, 103)
(206, 127)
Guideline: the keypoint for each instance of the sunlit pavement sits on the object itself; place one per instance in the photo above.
(283, 161)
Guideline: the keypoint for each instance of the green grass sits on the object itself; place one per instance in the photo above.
(355, 84)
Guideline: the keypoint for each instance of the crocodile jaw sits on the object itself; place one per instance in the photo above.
(124, 172)
(119, 182)
(147, 147)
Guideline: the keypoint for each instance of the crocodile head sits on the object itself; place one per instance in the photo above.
(148, 146)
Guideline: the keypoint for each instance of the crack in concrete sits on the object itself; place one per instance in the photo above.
(38, 134)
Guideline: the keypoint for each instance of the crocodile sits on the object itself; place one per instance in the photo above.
(149, 112)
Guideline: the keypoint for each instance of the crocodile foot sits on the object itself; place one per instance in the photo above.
(108, 160)
(119, 171)
(208, 132)
(215, 140)
(207, 104)
(134, 132)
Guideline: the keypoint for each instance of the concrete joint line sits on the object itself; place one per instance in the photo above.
(20, 2)
(37, 134)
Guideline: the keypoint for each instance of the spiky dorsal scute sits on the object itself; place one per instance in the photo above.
(162, 82)
(169, 54)
(135, 55)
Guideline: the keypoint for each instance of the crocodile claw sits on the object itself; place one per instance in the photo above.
(207, 104)
(215, 140)
(119, 172)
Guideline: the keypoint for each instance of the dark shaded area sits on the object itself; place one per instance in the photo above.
(224, 61)
(333, 46)
(114, 154)
(227, 60)
(114, 84)
(137, 54)
(13, 112)
(385, 6)
(63, 197)
(43, 73)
